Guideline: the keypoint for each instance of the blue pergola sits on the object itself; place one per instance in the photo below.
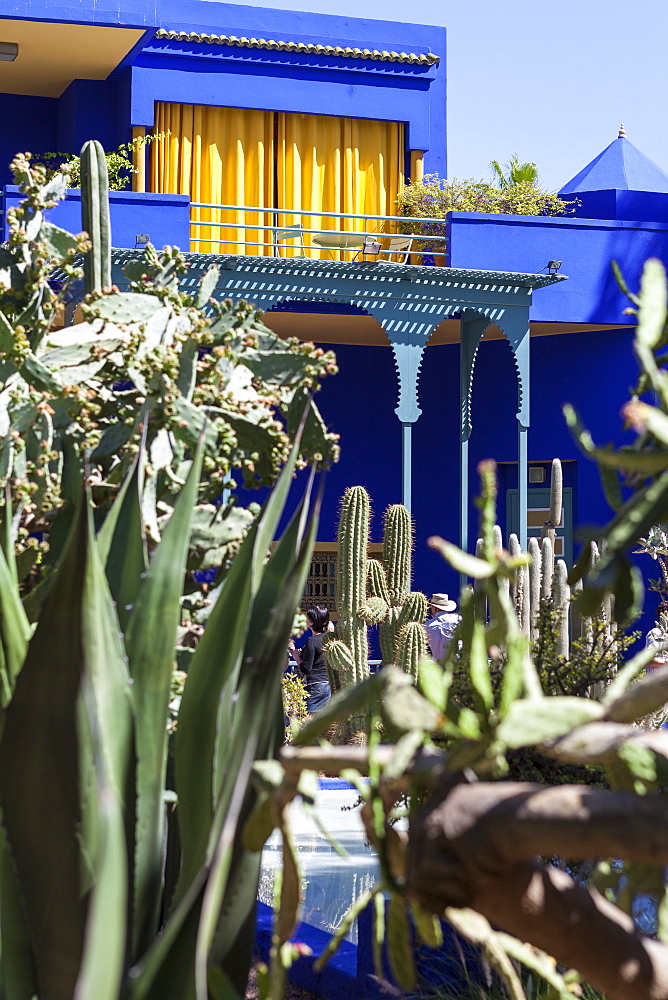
(409, 302)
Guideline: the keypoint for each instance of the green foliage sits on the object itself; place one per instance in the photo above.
(86, 910)
(655, 545)
(294, 699)
(433, 197)
(499, 707)
(153, 363)
(119, 162)
(594, 659)
(515, 173)
(635, 476)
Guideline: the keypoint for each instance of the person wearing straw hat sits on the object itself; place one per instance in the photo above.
(441, 626)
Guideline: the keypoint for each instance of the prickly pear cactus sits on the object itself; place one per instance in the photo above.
(411, 648)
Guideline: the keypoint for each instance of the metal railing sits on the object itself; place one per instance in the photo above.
(269, 232)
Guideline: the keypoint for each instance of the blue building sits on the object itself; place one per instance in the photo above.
(284, 140)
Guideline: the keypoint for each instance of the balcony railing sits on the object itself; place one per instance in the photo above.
(269, 232)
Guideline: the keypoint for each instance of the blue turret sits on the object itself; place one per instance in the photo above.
(620, 183)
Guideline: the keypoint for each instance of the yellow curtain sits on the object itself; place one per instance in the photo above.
(319, 164)
(222, 156)
(338, 165)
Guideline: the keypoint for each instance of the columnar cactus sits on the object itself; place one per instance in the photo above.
(95, 217)
(561, 594)
(535, 573)
(397, 547)
(340, 664)
(414, 608)
(547, 567)
(411, 647)
(370, 592)
(376, 581)
(353, 539)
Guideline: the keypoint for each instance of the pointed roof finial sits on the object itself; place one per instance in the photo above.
(622, 132)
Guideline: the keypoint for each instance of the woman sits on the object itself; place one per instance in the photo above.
(311, 660)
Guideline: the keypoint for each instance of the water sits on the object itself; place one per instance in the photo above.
(330, 883)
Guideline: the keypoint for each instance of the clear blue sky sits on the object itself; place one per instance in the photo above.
(549, 81)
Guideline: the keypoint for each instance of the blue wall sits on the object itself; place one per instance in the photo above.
(629, 205)
(29, 125)
(197, 73)
(189, 72)
(163, 217)
(359, 404)
(585, 246)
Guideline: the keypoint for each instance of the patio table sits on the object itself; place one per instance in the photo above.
(339, 241)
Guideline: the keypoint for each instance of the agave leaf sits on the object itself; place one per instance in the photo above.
(169, 960)
(213, 677)
(150, 640)
(39, 750)
(275, 576)
(104, 951)
(259, 702)
(17, 965)
(14, 631)
(220, 869)
(121, 543)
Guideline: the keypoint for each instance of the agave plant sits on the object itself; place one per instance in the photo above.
(92, 906)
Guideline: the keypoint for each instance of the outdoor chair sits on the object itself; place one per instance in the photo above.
(398, 247)
(295, 232)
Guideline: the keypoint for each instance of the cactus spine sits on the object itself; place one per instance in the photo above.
(413, 609)
(353, 539)
(397, 547)
(547, 567)
(561, 594)
(376, 581)
(95, 218)
(411, 648)
(534, 584)
(340, 664)
(370, 592)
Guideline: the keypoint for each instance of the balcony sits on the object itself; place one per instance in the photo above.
(260, 231)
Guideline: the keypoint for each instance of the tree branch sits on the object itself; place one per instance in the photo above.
(475, 848)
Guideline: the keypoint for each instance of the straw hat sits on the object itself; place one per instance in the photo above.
(442, 602)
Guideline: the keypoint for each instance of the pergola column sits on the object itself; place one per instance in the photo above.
(472, 327)
(515, 325)
(408, 348)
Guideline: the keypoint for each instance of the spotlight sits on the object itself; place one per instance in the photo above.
(371, 246)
